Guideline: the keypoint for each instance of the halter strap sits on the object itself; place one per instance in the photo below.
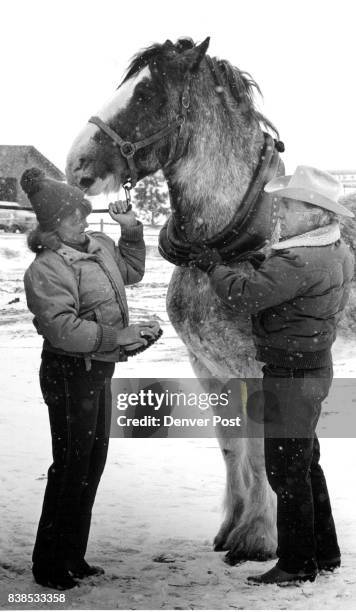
(128, 148)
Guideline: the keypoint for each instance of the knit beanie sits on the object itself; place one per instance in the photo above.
(51, 200)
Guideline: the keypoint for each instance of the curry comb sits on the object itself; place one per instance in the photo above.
(142, 348)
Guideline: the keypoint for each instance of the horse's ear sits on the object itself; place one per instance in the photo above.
(193, 57)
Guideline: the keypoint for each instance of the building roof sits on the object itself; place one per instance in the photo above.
(342, 171)
(30, 154)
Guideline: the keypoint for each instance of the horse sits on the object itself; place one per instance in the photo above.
(194, 117)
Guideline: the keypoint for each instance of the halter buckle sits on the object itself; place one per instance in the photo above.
(128, 149)
(185, 100)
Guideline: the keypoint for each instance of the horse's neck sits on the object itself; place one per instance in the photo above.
(209, 182)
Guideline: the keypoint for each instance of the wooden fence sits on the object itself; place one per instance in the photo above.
(113, 230)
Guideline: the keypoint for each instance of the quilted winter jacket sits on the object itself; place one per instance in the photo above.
(78, 299)
(295, 298)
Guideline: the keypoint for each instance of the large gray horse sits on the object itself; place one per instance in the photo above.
(194, 117)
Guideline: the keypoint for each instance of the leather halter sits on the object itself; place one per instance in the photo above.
(128, 148)
(251, 226)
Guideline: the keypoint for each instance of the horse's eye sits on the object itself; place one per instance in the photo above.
(143, 92)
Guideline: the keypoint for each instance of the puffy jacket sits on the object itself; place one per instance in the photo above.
(79, 300)
(296, 297)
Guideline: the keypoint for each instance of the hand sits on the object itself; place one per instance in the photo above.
(119, 212)
(134, 334)
(204, 258)
(255, 258)
(151, 327)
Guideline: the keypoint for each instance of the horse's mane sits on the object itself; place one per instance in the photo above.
(149, 55)
(241, 85)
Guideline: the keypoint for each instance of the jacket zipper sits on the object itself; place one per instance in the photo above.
(116, 291)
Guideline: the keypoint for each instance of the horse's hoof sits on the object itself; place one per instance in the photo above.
(232, 559)
(221, 539)
(219, 544)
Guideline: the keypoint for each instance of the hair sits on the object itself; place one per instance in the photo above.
(322, 216)
(38, 239)
(239, 83)
(327, 217)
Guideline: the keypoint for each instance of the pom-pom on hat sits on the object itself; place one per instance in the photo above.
(51, 200)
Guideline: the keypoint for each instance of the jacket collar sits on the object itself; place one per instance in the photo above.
(71, 255)
(321, 236)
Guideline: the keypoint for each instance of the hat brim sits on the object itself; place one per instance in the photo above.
(279, 188)
(279, 182)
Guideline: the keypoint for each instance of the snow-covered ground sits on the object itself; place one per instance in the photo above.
(160, 500)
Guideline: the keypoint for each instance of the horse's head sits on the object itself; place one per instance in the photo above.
(149, 99)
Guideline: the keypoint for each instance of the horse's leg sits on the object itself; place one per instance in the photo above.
(248, 530)
(252, 532)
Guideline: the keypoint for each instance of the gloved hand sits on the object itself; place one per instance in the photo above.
(150, 332)
(256, 259)
(136, 334)
(204, 258)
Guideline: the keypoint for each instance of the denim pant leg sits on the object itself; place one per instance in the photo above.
(292, 408)
(324, 527)
(96, 468)
(288, 470)
(72, 395)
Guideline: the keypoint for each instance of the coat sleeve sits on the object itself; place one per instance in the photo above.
(279, 279)
(52, 296)
(130, 254)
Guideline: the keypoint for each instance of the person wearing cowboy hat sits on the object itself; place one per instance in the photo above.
(295, 296)
(75, 287)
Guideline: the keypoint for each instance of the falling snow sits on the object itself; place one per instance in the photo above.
(159, 504)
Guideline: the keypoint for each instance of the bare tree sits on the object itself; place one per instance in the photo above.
(151, 197)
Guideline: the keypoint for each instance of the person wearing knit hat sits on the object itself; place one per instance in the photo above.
(75, 287)
(295, 294)
(51, 200)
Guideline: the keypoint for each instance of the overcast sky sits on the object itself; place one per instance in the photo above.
(60, 60)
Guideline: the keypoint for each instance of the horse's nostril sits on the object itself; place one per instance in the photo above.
(80, 164)
(86, 182)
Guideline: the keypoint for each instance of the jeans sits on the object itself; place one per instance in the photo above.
(79, 406)
(305, 525)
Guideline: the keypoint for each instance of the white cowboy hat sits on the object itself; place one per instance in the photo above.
(310, 185)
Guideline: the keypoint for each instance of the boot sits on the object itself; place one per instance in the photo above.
(55, 578)
(81, 569)
(278, 576)
(329, 565)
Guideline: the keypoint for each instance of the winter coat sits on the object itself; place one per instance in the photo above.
(296, 297)
(79, 300)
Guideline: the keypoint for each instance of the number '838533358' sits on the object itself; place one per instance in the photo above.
(36, 598)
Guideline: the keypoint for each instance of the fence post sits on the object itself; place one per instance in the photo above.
(101, 225)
